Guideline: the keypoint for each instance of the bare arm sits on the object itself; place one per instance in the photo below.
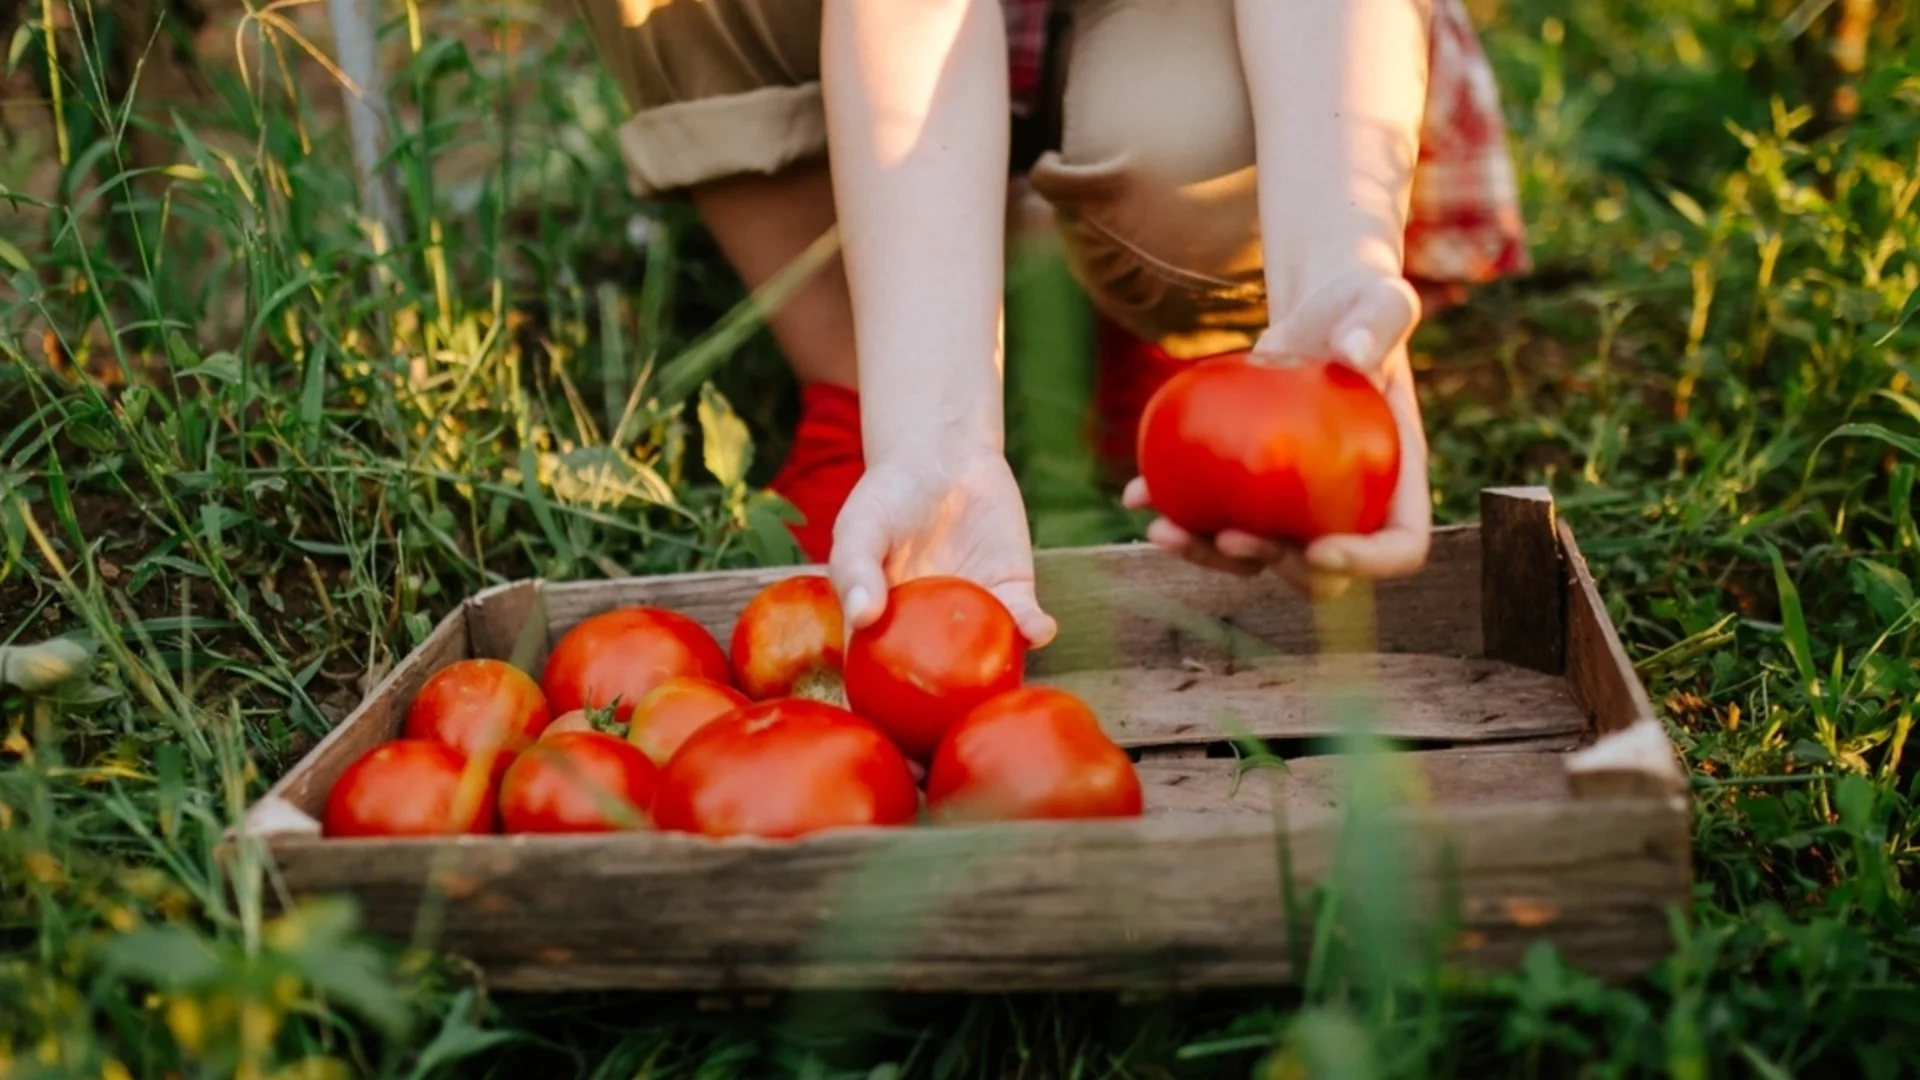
(917, 125)
(1339, 91)
(916, 98)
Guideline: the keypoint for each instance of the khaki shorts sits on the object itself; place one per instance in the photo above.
(1152, 181)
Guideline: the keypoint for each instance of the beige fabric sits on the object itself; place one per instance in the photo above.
(1153, 183)
(718, 87)
(1154, 178)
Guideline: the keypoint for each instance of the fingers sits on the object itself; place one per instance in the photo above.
(1389, 553)
(1377, 324)
(857, 567)
(1134, 496)
(1035, 625)
(1172, 538)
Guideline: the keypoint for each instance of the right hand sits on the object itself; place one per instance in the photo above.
(929, 514)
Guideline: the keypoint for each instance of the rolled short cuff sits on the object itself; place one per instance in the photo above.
(671, 148)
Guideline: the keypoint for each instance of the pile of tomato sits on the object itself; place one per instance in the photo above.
(640, 720)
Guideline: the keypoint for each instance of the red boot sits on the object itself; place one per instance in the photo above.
(824, 464)
(1128, 371)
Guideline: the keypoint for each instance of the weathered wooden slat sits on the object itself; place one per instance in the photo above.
(1401, 696)
(1602, 679)
(377, 719)
(1523, 587)
(1158, 903)
(1133, 605)
(1316, 784)
(508, 622)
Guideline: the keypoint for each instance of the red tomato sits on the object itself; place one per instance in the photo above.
(782, 769)
(409, 787)
(1285, 452)
(577, 720)
(578, 782)
(486, 709)
(618, 657)
(676, 709)
(943, 646)
(789, 641)
(1034, 753)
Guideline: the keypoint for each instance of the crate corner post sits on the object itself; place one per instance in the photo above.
(1522, 582)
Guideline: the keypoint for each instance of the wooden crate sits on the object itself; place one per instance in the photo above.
(1550, 790)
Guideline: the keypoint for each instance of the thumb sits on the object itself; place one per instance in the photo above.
(857, 567)
(1378, 324)
(1035, 625)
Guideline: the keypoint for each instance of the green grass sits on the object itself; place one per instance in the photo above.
(306, 448)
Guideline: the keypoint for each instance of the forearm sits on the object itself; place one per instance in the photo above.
(1338, 90)
(916, 100)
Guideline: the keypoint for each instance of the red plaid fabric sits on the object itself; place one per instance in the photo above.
(1027, 49)
(1464, 225)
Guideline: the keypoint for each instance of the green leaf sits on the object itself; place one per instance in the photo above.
(1794, 622)
(767, 537)
(313, 393)
(167, 956)
(319, 939)
(1904, 443)
(1885, 589)
(458, 1039)
(14, 257)
(223, 367)
(728, 449)
(1907, 312)
(1329, 1042)
(17, 48)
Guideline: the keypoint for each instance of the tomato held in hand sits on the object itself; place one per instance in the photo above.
(943, 646)
(1035, 753)
(676, 709)
(1288, 452)
(782, 769)
(409, 787)
(486, 709)
(578, 782)
(618, 657)
(790, 640)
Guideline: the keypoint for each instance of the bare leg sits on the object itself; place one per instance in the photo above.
(762, 224)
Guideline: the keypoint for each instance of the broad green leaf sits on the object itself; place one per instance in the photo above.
(223, 367)
(1886, 589)
(167, 956)
(458, 1039)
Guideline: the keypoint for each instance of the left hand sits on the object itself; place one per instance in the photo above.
(1366, 318)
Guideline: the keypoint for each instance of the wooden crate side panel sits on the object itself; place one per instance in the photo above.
(1155, 904)
(1133, 605)
(1222, 787)
(1411, 696)
(303, 790)
(1523, 585)
(509, 622)
(1602, 678)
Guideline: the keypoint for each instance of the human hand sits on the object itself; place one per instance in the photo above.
(1364, 318)
(924, 515)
